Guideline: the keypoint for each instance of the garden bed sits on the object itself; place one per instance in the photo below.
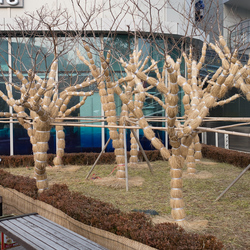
(227, 218)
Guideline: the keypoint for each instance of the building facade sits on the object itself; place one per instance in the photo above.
(236, 16)
(27, 43)
(230, 18)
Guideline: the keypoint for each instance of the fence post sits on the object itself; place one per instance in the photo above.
(226, 141)
(204, 137)
(216, 140)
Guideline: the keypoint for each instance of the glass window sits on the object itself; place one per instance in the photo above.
(4, 76)
(37, 53)
(4, 127)
(121, 46)
(91, 136)
(30, 53)
(34, 53)
(73, 71)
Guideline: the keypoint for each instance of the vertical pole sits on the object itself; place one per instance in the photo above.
(137, 49)
(166, 123)
(204, 137)
(216, 140)
(1, 206)
(126, 157)
(102, 111)
(10, 108)
(166, 135)
(138, 136)
(57, 78)
(102, 129)
(226, 141)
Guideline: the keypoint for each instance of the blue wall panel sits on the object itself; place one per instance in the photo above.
(90, 137)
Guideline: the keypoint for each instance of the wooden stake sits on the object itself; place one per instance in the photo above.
(234, 125)
(223, 131)
(142, 150)
(239, 176)
(98, 158)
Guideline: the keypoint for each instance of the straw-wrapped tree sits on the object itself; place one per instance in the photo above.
(200, 98)
(199, 95)
(40, 97)
(46, 105)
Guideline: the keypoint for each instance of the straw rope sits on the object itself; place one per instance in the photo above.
(60, 135)
(225, 47)
(148, 132)
(120, 152)
(203, 55)
(41, 132)
(50, 83)
(138, 103)
(133, 160)
(176, 194)
(109, 107)
(191, 160)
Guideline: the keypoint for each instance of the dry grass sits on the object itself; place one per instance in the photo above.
(228, 218)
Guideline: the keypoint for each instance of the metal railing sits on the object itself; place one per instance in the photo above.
(239, 35)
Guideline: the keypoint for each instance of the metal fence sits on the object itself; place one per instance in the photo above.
(228, 141)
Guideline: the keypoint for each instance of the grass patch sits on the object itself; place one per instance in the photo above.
(228, 218)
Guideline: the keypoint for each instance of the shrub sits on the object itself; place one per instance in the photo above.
(235, 158)
(135, 225)
(76, 205)
(22, 184)
(71, 158)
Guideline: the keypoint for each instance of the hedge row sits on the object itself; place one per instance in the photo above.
(211, 152)
(235, 158)
(134, 225)
(70, 159)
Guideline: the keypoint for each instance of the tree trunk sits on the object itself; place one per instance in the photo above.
(133, 160)
(60, 141)
(176, 194)
(191, 160)
(197, 149)
(194, 155)
(42, 136)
